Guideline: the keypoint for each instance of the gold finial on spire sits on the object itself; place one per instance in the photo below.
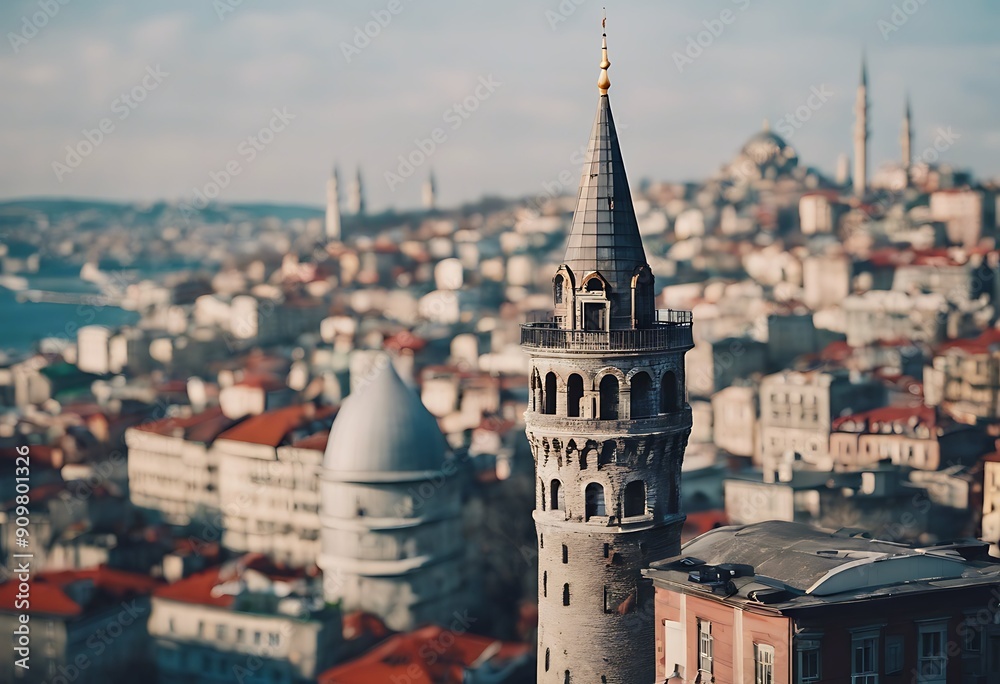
(603, 82)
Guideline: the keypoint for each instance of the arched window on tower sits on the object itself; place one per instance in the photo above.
(607, 456)
(557, 289)
(595, 500)
(640, 396)
(574, 393)
(669, 401)
(549, 395)
(643, 304)
(635, 499)
(557, 501)
(609, 397)
(595, 284)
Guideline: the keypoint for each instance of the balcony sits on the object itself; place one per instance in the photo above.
(670, 332)
(664, 422)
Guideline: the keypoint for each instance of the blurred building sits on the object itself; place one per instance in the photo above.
(246, 620)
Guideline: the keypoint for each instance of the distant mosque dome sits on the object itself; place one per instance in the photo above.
(765, 155)
(384, 433)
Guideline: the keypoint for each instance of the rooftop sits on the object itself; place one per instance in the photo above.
(52, 593)
(202, 427)
(220, 586)
(272, 428)
(787, 565)
(404, 657)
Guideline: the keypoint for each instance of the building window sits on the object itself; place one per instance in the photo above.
(972, 637)
(201, 628)
(545, 584)
(635, 498)
(273, 638)
(239, 635)
(595, 500)
(256, 638)
(557, 289)
(705, 646)
(220, 632)
(668, 393)
(566, 594)
(640, 402)
(574, 393)
(609, 397)
(864, 659)
(549, 397)
(607, 456)
(763, 664)
(808, 660)
(606, 607)
(932, 661)
(565, 553)
(546, 660)
(558, 503)
(893, 655)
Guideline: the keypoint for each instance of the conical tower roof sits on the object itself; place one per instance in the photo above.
(604, 236)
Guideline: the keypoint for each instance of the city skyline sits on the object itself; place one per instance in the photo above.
(521, 79)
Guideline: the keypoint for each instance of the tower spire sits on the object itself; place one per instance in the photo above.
(603, 82)
(906, 136)
(333, 206)
(604, 258)
(861, 131)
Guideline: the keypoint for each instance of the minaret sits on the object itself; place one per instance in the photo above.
(356, 199)
(861, 133)
(906, 138)
(608, 423)
(429, 192)
(333, 207)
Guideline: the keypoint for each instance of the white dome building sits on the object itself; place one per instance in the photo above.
(390, 509)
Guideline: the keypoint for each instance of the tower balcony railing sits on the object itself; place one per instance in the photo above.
(664, 422)
(670, 331)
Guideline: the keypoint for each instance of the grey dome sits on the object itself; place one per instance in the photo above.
(765, 148)
(384, 433)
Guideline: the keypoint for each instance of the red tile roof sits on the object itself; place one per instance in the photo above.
(316, 442)
(403, 657)
(198, 587)
(977, 345)
(202, 427)
(906, 416)
(49, 596)
(271, 428)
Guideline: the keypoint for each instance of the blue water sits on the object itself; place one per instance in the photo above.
(23, 324)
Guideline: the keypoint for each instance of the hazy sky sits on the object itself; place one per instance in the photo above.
(223, 73)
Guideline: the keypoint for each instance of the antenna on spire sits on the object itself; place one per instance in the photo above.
(603, 82)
